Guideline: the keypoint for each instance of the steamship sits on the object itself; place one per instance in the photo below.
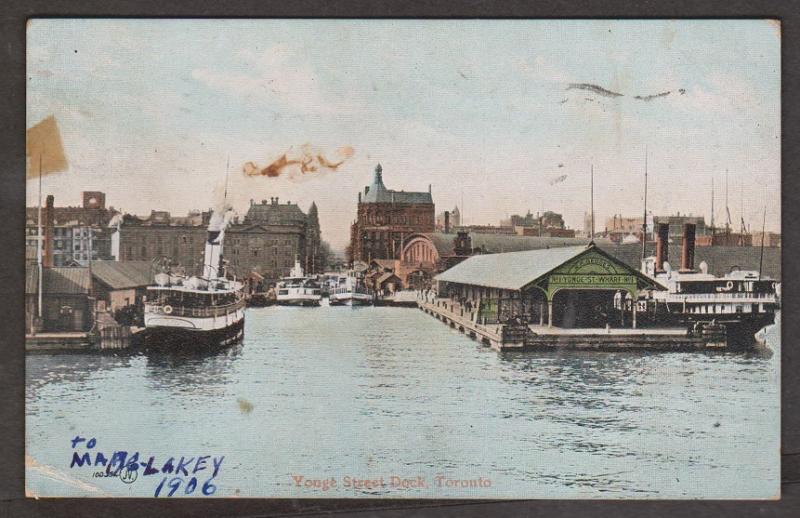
(297, 289)
(743, 301)
(196, 311)
(350, 291)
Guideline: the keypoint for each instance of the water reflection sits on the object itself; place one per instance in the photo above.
(71, 367)
(192, 371)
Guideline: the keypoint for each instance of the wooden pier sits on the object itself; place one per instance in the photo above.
(525, 337)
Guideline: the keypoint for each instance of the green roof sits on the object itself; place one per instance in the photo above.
(509, 271)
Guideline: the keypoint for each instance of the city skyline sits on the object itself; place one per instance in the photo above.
(150, 111)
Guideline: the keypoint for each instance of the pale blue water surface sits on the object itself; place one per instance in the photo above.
(371, 393)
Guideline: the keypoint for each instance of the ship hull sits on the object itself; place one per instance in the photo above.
(297, 301)
(186, 338)
(350, 300)
(740, 331)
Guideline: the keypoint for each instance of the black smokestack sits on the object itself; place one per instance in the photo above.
(447, 222)
(49, 217)
(662, 246)
(687, 250)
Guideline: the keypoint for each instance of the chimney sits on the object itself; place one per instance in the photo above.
(47, 252)
(662, 246)
(687, 251)
(359, 196)
(447, 222)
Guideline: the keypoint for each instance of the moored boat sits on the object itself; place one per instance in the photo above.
(196, 312)
(297, 289)
(350, 291)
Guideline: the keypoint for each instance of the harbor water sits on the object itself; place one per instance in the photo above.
(388, 395)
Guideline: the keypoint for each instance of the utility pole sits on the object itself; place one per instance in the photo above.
(40, 240)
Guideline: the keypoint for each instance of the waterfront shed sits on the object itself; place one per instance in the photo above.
(121, 284)
(66, 305)
(574, 286)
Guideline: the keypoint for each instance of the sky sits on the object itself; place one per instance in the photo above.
(494, 112)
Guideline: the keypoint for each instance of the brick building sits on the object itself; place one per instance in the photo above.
(385, 218)
(266, 241)
(76, 235)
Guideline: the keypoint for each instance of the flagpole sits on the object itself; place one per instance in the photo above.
(40, 240)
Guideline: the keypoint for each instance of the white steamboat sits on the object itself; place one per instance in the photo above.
(297, 289)
(350, 291)
(197, 311)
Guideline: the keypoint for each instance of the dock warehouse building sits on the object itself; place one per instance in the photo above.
(571, 287)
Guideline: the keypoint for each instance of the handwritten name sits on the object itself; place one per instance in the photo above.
(122, 461)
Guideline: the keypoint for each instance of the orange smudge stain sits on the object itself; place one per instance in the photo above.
(308, 161)
(250, 168)
(275, 168)
(330, 165)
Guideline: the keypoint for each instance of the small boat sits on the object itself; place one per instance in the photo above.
(297, 289)
(196, 312)
(350, 291)
(260, 299)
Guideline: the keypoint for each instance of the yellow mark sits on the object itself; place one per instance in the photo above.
(776, 24)
(245, 406)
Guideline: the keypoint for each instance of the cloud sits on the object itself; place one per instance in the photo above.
(719, 92)
(277, 76)
(543, 70)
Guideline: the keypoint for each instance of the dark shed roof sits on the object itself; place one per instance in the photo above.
(120, 275)
(58, 281)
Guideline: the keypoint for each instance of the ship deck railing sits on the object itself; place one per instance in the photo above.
(204, 312)
(720, 297)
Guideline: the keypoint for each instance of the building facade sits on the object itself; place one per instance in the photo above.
(385, 218)
(74, 236)
(267, 241)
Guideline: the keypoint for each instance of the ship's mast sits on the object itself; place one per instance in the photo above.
(712, 208)
(591, 194)
(728, 223)
(763, 227)
(644, 211)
